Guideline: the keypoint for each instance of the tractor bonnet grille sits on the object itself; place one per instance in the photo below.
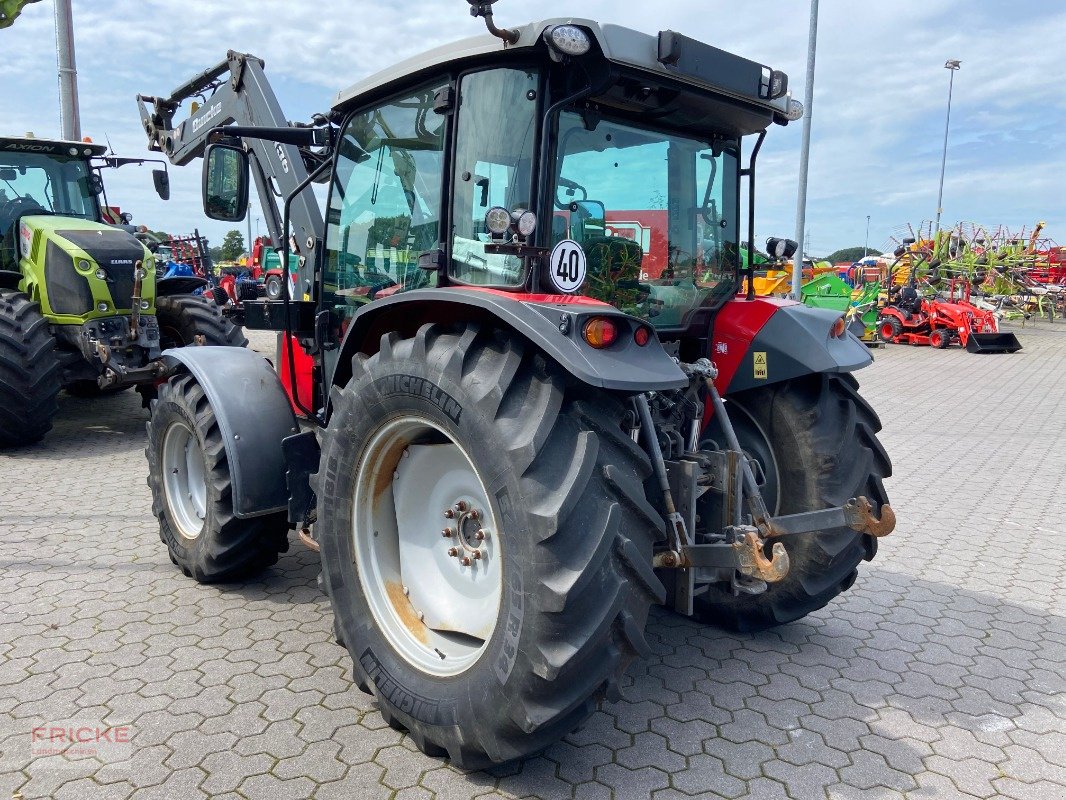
(66, 290)
(117, 252)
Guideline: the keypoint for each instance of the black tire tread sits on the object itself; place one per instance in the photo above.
(593, 612)
(241, 547)
(29, 371)
(190, 315)
(841, 449)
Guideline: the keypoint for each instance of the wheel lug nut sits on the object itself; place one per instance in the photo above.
(453, 551)
(474, 514)
(460, 506)
(466, 561)
(446, 533)
(448, 513)
(481, 535)
(477, 555)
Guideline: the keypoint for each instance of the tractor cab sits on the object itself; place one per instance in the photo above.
(572, 157)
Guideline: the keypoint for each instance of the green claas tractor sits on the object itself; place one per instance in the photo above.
(80, 306)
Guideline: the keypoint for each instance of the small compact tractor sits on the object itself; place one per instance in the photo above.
(81, 307)
(910, 318)
(501, 469)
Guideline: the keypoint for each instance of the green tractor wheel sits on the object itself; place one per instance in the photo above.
(29, 371)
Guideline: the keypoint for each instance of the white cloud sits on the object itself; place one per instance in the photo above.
(878, 111)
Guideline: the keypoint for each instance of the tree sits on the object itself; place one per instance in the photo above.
(850, 254)
(232, 246)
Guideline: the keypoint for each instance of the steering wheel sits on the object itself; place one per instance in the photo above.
(15, 208)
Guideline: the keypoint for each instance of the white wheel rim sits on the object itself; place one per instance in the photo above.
(184, 479)
(437, 610)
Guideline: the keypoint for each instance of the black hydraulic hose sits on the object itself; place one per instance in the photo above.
(288, 291)
(751, 214)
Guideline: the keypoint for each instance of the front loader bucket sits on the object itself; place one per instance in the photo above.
(993, 343)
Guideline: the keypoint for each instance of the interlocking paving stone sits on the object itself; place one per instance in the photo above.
(939, 674)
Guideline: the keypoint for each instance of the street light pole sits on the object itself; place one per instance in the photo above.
(69, 115)
(866, 246)
(952, 65)
(805, 152)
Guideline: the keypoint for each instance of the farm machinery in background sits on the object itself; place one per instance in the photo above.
(81, 305)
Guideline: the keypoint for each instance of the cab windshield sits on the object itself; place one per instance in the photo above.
(57, 184)
(656, 213)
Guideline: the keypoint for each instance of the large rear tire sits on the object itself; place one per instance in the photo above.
(816, 441)
(496, 659)
(188, 474)
(183, 317)
(29, 372)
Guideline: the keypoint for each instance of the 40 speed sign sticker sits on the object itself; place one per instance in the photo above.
(567, 266)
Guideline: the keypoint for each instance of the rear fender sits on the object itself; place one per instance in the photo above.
(552, 323)
(253, 416)
(760, 342)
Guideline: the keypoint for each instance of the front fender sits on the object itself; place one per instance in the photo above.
(180, 284)
(254, 416)
(756, 343)
(553, 323)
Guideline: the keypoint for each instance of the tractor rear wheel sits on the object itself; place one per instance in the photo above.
(189, 476)
(888, 328)
(486, 543)
(183, 317)
(815, 439)
(29, 371)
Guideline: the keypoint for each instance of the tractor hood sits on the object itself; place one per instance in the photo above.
(82, 269)
(106, 245)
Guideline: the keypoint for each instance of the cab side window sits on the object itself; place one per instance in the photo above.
(385, 205)
(493, 162)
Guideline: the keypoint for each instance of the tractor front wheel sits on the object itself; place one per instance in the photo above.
(189, 476)
(940, 338)
(486, 543)
(815, 440)
(183, 317)
(29, 371)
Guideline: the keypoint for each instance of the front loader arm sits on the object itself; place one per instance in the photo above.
(240, 94)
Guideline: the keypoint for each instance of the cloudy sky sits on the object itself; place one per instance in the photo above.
(880, 92)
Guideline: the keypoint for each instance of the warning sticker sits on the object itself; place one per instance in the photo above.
(760, 365)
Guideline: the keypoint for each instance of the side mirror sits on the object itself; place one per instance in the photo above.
(161, 179)
(225, 183)
(588, 218)
(780, 249)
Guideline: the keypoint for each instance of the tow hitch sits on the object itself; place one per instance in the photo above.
(747, 549)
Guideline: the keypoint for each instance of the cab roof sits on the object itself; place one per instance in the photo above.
(56, 147)
(624, 46)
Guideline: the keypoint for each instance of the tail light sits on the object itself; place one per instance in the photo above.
(641, 336)
(838, 328)
(600, 332)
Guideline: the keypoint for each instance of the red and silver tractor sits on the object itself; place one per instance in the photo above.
(521, 393)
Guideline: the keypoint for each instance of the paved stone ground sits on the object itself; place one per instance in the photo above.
(939, 675)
